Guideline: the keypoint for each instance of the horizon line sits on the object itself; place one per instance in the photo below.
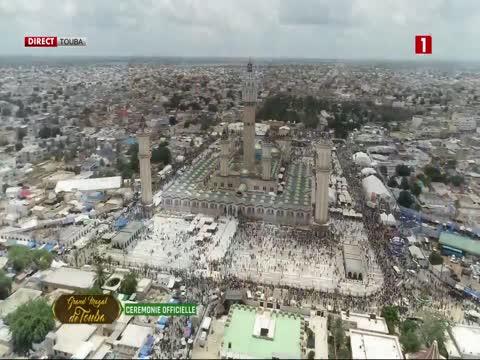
(415, 59)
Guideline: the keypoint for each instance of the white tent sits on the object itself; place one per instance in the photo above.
(374, 189)
(361, 159)
(368, 171)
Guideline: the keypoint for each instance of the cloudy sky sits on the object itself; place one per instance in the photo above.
(345, 29)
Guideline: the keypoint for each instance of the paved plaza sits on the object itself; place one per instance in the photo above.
(281, 255)
(285, 256)
(168, 244)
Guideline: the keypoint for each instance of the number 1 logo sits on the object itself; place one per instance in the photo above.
(423, 44)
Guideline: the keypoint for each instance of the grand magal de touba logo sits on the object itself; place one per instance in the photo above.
(86, 309)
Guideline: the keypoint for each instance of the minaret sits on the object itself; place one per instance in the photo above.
(266, 162)
(322, 177)
(224, 154)
(144, 155)
(249, 96)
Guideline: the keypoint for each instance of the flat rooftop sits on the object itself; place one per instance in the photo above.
(296, 195)
(364, 322)
(95, 184)
(70, 277)
(18, 298)
(134, 336)
(71, 337)
(466, 338)
(239, 340)
(371, 345)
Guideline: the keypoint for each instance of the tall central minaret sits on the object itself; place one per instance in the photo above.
(322, 178)
(144, 155)
(249, 96)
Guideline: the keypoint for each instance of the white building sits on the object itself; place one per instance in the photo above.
(464, 122)
(133, 338)
(366, 322)
(68, 278)
(466, 340)
(372, 345)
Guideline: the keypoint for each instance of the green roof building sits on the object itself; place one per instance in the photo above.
(464, 243)
(251, 333)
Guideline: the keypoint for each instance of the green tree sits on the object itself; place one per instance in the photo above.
(384, 170)
(161, 155)
(100, 275)
(416, 189)
(390, 314)
(21, 133)
(457, 180)
(212, 108)
(30, 323)
(433, 328)
(18, 146)
(403, 170)
(392, 182)
(408, 325)
(42, 258)
(404, 185)
(6, 111)
(410, 341)
(44, 132)
(435, 258)
(5, 285)
(129, 284)
(451, 164)
(434, 173)
(186, 124)
(20, 257)
(405, 199)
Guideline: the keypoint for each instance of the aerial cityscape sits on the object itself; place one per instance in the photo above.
(232, 205)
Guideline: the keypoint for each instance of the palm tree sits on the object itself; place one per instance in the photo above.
(100, 275)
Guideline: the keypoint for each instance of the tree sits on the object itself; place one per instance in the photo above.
(390, 314)
(451, 164)
(212, 108)
(384, 170)
(6, 111)
(404, 185)
(433, 328)
(434, 173)
(410, 341)
(392, 182)
(161, 155)
(435, 258)
(416, 189)
(129, 284)
(20, 257)
(29, 324)
(405, 199)
(42, 258)
(186, 124)
(100, 275)
(44, 132)
(457, 180)
(5, 285)
(21, 133)
(18, 146)
(403, 170)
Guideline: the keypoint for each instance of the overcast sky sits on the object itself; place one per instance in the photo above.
(345, 29)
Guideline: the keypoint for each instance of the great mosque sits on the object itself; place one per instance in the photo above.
(255, 178)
